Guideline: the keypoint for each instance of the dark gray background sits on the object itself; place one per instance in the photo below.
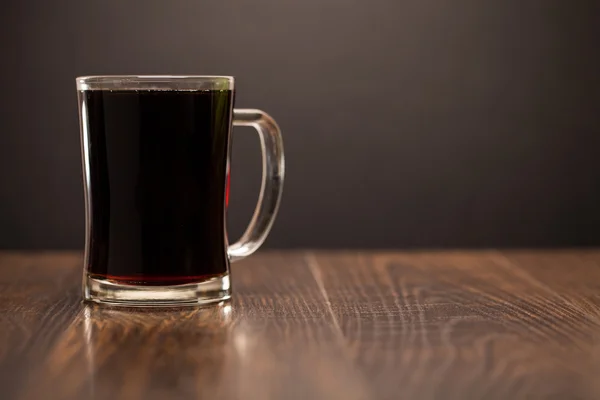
(406, 123)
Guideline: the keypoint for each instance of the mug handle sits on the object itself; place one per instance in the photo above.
(273, 168)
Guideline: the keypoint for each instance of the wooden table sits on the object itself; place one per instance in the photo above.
(316, 325)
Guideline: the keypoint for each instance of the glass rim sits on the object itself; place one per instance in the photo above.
(155, 82)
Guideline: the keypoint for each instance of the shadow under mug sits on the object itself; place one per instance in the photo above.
(155, 155)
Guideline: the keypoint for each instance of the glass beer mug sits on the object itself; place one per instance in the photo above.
(155, 155)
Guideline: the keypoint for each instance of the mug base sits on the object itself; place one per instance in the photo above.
(106, 291)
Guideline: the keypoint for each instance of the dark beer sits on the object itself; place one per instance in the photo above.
(158, 164)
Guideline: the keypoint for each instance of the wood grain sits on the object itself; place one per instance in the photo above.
(316, 325)
(468, 325)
